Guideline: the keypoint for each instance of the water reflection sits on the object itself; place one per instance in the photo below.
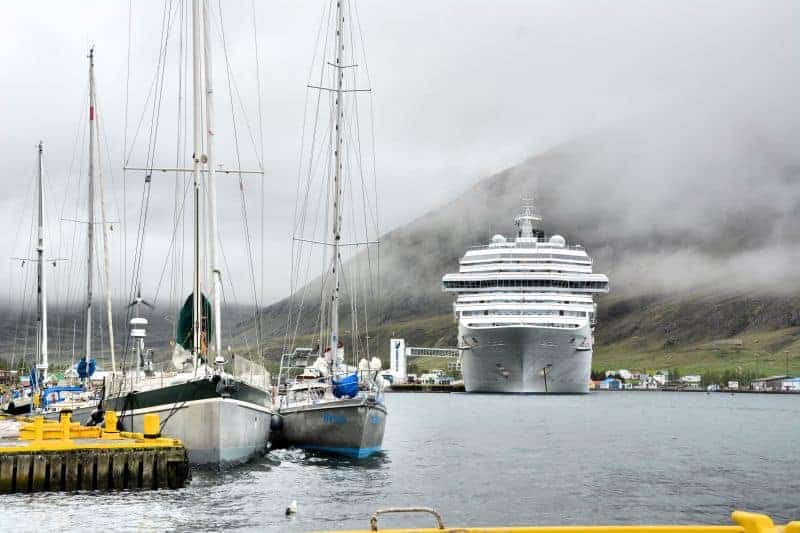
(479, 460)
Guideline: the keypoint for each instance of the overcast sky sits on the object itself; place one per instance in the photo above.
(461, 89)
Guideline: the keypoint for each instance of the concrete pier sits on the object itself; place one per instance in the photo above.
(425, 387)
(64, 456)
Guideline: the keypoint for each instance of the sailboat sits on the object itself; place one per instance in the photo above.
(21, 403)
(81, 400)
(221, 410)
(326, 405)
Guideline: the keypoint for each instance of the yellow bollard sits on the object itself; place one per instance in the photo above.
(152, 426)
(66, 421)
(110, 429)
(38, 428)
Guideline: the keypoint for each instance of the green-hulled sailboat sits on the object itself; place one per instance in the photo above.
(220, 409)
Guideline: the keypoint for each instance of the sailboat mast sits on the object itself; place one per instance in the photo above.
(197, 124)
(74, 332)
(336, 220)
(90, 221)
(211, 190)
(106, 251)
(41, 292)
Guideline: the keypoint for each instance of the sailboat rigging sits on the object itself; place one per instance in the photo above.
(39, 375)
(325, 404)
(221, 410)
(81, 400)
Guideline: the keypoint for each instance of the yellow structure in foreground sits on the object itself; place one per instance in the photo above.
(745, 523)
(64, 455)
(41, 434)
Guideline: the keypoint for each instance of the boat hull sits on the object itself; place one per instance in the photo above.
(215, 431)
(525, 359)
(352, 427)
(18, 406)
(219, 426)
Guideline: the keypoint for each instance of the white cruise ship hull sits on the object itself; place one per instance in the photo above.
(525, 359)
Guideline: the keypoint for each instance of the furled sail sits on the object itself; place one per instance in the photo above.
(184, 334)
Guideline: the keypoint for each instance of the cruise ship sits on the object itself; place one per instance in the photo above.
(526, 312)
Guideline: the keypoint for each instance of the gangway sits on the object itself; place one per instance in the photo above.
(399, 354)
(417, 351)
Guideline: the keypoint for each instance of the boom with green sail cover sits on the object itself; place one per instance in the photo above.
(183, 334)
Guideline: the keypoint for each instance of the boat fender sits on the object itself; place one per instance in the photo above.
(276, 422)
(216, 378)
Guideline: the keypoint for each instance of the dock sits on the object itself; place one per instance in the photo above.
(425, 387)
(65, 456)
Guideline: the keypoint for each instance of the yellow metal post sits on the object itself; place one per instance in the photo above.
(66, 421)
(110, 431)
(38, 428)
(152, 426)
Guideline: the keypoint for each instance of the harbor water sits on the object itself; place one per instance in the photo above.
(611, 458)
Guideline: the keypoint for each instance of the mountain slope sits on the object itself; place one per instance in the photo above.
(694, 222)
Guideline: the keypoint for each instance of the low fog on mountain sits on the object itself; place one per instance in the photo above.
(454, 100)
(689, 201)
(661, 137)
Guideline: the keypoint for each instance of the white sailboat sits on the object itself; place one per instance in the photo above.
(220, 409)
(23, 404)
(326, 405)
(82, 400)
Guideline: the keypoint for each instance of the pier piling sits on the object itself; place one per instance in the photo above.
(64, 456)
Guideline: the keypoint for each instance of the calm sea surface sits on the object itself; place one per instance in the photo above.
(490, 460)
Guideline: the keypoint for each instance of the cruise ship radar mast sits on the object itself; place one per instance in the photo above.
(528, 223)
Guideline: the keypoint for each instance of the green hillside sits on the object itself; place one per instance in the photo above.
(699, 241)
